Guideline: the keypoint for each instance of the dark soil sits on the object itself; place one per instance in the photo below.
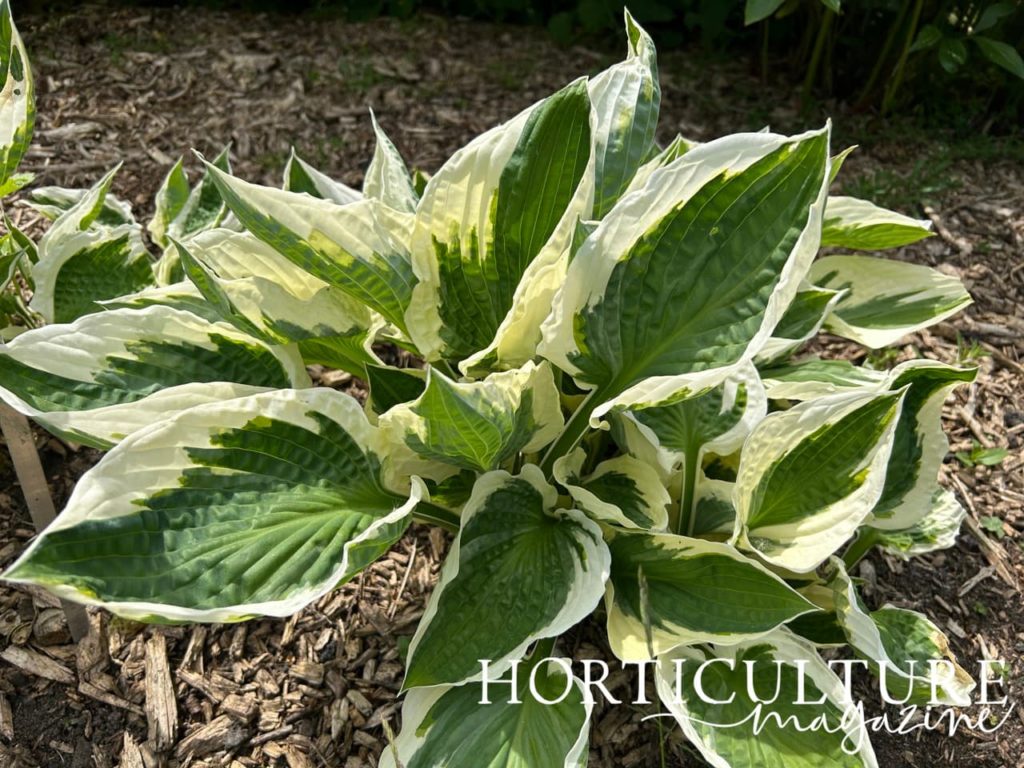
(145, 86)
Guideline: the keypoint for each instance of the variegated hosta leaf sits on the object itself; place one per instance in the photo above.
(254, 506)
(717, 420)
(448, 726)
(51, 202)
(821, 628)
(632, 442)
(184, 296)
(668, 590)
(17, 99)
(360, 248)
(802, 320)
(82, 262)
(906, 643)
(920, 444)
(688, 277)
(809, 476)
(814, 378)
(262, 293)
(387, 178)
(626, 98)
(886, 299)
(725, 733)
(938, 528)
(497, 216)
(107, 375)
(837, 162)
(714, 514)
(183, 211)
(300, 176)
(393, 386)
(490, 604)
(675, 149)
(478, 425)
(864, 226)
(622, 491)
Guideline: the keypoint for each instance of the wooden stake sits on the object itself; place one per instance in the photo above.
(28, 468)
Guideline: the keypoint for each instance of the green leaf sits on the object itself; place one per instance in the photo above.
(361, 247)
(300, 176)
(393, 386)
(643, 314)
(501, 209)
(1001, 54)
(886, 299)
(809, 476)
(837, 162)
(678, 147)
(181, 211)
(993, 525)
(262, 293)
(51, 202)
(449, 726)
(803, 319)
(626, 99)
(622, 491)
(387, 178)
(17, 104)
(937, 529)
(758, 10)
(714, 512)
(920, 445)
(184, 296)
(864, 226)
(813, 378)
(488, 605)
(990, 457)
(715, 421)
(952, 54)
(993, 14)
(667, 590)
(82, 262)
(928, 37)
(906, 643)
(255, 506)
(15, 182)
(479, 425)
(109, 374)
(725, 734)
(170, 200)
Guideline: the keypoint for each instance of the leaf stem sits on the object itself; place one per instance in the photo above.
(687, 518)
(572, 432)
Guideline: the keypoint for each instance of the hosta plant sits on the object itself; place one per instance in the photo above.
(17, 119)
(606, 402)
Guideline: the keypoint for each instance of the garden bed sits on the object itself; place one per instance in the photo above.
(318, 689)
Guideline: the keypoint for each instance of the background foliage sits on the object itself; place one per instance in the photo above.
(954, 61)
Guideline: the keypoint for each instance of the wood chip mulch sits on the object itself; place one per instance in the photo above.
(321, 689)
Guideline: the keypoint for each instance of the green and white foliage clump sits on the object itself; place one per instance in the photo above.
(17, 119)
(612, 412)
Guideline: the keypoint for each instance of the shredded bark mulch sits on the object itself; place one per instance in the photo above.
(321, 689)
